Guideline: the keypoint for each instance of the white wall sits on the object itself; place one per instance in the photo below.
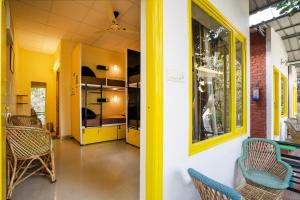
(275, 54)
(219, 162)
(143, 103)
(292, 83)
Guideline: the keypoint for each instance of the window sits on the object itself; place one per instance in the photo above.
(217, 75)
(284, 96)
(239, 83)
(211, 77)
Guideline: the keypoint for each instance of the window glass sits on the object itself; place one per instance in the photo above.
(211, 76)
(38, 102)
(239, 83)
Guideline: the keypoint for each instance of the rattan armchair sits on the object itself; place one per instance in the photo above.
(262, 166)
(293, 127)
(211, 189)
(29, 153)
(23, 120)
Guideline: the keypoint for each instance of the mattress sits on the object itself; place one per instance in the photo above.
(110, 119)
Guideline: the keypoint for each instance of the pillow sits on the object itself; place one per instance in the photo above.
(86, 71)
(90, 113)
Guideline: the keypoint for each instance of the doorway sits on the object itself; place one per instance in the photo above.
(57, 103)
(38, 100)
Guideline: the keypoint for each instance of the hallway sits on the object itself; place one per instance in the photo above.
(107, 171)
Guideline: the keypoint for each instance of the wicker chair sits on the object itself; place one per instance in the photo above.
(23, 120)
(293, 127)
(29, 153)
(262, 166)
(210, 189)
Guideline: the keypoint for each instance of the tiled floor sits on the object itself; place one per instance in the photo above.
(105, 171)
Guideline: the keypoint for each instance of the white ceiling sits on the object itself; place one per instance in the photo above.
(39, 25)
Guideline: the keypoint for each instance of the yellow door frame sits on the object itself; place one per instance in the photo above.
(154, 100)
(294, 100)
(2, 102)
(284, 81)
(276, 104)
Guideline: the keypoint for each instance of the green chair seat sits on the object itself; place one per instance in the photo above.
(261, 164)
(266, 179)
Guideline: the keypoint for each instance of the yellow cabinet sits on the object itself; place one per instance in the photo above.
(121, 131)
(99, 134)
(107, 133)
(90, 135)
(133, 137)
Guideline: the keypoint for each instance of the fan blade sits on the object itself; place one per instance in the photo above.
(107, 29)
(128, 30)
(111, 15)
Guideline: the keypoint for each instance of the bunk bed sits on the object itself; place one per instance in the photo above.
(133, 93)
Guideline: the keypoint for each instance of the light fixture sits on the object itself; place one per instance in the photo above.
(115, 68)
(115, 99)
(56, 65)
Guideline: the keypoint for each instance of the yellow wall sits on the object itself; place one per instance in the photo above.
(36, 67)
(64, 52)
(2, 99)
(11, 82)
(75, 93)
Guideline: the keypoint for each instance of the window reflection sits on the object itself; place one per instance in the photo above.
(211, 76)
(239, 83)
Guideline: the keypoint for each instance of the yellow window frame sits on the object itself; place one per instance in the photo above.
(284, 80)
(212, 11)
(276, 104)
(294, 101)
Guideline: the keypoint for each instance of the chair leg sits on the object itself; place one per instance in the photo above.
(11, 181)
(52, 163)
(49, 166)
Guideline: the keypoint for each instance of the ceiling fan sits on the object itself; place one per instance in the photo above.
(115, 27)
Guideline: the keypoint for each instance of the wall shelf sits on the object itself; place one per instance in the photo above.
(21, 99)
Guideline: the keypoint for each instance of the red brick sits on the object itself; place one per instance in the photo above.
(258, 76)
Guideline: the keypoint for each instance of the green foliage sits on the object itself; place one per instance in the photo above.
(289, 7)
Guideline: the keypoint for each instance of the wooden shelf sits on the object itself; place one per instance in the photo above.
(21, 103)
(22, 95)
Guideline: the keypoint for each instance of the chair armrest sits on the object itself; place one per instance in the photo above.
(286, 169)
(212, 187)
(241, 162)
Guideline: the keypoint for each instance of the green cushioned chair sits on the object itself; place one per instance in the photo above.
(262, 166)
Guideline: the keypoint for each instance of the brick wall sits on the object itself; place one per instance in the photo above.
(258, 77)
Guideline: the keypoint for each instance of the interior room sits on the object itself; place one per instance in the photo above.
(74, 70)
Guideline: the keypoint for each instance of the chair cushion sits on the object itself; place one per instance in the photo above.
(266, 179)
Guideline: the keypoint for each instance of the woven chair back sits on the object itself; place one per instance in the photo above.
(27, 142)
(208, 193)
(290, 126)
(261, 155)
(211, 189)
(23, 120)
